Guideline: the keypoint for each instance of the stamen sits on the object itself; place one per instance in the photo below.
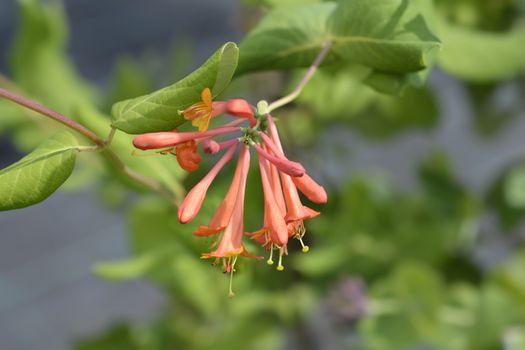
(270, 261)
(280, 266)
(213, 242)
(231, 294)
(305, 247)
(300, 229)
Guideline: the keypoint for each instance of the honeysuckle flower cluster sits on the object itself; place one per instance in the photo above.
(282, 179)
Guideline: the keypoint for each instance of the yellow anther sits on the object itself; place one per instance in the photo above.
(305, 247)
(231, 294)
(280, 266)
(270, 261)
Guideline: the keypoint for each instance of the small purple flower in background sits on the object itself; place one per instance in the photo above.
(347, 302)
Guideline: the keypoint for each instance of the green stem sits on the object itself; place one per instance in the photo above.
(100, 143)
(112, 132)
(309, 73)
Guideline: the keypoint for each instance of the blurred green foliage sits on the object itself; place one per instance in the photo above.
(412, 248)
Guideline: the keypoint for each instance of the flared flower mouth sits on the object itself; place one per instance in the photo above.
(201, 112)
(187, 156)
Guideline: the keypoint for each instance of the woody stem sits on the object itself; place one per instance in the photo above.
(100, 143)
(309, 73)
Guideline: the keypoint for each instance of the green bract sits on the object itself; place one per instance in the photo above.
(158, 111)
(36, 176)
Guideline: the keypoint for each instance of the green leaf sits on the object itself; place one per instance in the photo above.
(155, 231)
(515, 338)
(337, 93)
(287, 38)
(477, 317)
(511, 277)
(396, 83)
(479, 56)
(36, 176)
(276, 3)
(130, 80)
(11, 116)
(158, 111)
(495, 314)
(499, 199)
(41, 69)
(514, 187)
(406, 309)
(38, 57)
(387, 83)
(116, 337)
(134, 267)
(341, 95)
(387, 36)
(390, 115)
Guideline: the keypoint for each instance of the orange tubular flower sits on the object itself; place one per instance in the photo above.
(163, 139)
(224, 212)
(277, 189)
(192, 203)
(296, 211)
(232, 212)
(274, 233)
(284, 165)
(275, 222)
(311, 189)
(230, 244)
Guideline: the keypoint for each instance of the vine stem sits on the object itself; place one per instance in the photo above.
(25, 102)
(100, 143)
(311, 70)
